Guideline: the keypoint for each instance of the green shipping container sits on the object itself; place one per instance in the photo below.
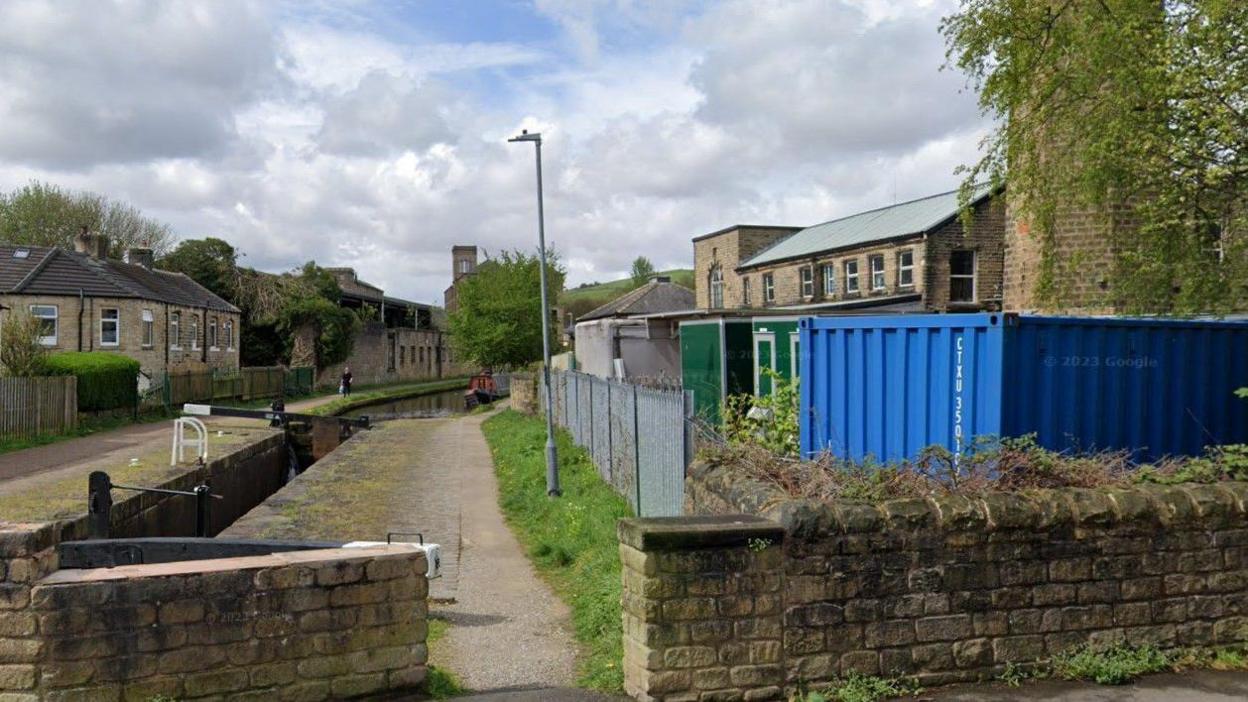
(716, 360)
(775, 347)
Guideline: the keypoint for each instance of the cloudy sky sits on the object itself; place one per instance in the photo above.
(373, 134)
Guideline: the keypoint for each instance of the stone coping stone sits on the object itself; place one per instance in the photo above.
(687, 533)
(217, 565)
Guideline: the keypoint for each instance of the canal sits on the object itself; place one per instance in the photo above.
(439, 404)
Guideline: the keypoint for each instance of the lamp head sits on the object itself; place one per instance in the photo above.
(525, 136)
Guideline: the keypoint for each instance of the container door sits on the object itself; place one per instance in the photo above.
(764, 357)
(702, 367)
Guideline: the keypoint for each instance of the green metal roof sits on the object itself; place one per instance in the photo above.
(906, 218)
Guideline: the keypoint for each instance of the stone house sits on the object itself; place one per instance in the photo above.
(912, 256)
(89, 302)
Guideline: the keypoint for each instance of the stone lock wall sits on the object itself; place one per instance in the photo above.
(947, 589)
(307, 625)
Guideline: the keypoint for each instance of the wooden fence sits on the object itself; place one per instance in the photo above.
(174, 389)
(35, 406)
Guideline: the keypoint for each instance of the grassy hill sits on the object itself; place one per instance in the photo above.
(578, 301)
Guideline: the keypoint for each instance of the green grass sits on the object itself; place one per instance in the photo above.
(1111, 665)
(864, 688)
(615, 288)
(387, 392)
(571, 539)
(86, 427)
(440, 684)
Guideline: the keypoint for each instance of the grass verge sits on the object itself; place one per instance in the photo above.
(440, 684)
(384, 393)
(86, 427)
(571, 540)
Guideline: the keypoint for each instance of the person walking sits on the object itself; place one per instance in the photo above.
(346, 381)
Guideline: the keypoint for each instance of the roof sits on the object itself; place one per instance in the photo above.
(51, 271)
(736, 227)
(352, 286)
(895, 221)
(655, 296)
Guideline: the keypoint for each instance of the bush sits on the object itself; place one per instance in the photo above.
(769, 422)
(105, 380)
(21, 354)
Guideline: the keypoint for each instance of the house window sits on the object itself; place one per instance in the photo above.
(229, 334)
(829, 280)
(47, 316)
(194, 332)
(808, 281)
(463, 266)
(422, 354)
(769, 287)
(851, 276)
(402, 356)
(212, 333)
(717, 287)
(149, 329)
(745, 292)
(877, 271)
(110, 326)
(905, 268)
(175, 333)
(962, 276)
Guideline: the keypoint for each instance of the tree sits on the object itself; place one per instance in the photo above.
(1136, 110)
(21, 354)
(211, 262)
(42, 214)
(498, 319)
(642, 270)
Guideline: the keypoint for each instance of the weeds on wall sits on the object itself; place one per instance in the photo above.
(768, 422)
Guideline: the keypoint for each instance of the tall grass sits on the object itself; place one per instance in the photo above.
(571, 539)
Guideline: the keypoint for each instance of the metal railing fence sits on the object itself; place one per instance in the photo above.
(640, 438)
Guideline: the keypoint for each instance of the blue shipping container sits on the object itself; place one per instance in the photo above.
(886, 387)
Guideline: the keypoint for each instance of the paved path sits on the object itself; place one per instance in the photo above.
(1196, 686)
(507, 631)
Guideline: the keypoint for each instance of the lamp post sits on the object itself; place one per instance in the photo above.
(552, 464)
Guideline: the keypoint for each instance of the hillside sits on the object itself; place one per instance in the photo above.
(578, 301)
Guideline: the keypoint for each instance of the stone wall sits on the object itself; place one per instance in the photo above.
(946, 589)
(729, 248)
(524, 389)
(306, 625)
(382, 355)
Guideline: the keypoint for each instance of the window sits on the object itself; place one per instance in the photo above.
(175, 330)
(808, 281)
(463, 265)
(769, 287)
(194, 332)
(717, 287)
(47, 316)
(905, 268)
(829, 280)
(402, 356)
(745, 292)
(877, 271)
(422, 354)
(110, 326)
(149, 329)
(851, 276)
(229, 334)
(212, 333)
(962, 276)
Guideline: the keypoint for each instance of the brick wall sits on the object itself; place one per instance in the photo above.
(190, 352)
(308, 625)
(728, 249)
(945, 589)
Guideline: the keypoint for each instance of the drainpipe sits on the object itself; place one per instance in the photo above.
(168, 342)
(203, 344)
(82, 302)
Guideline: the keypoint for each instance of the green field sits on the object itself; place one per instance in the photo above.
(578, 301)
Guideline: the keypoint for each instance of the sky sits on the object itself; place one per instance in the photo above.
(374, 134)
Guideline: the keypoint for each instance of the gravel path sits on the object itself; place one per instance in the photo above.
(507, 630)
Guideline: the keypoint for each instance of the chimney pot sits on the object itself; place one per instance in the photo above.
(82, 241)
(140, 256)
(99, 248)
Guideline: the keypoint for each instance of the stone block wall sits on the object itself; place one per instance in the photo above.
(953, 589)
(307, 625)
(382, 355)
(524, 390)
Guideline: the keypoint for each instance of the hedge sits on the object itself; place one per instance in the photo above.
(105, 380)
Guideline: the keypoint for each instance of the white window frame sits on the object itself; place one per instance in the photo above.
(148, 319)
(903, 268)
(829, 279)
(807, 277)
(769, 287)
(194, 332)
(228, 326)
(175, 331)
(745, 291)
(879, 281)
(717, 287)
(212, 335)
(56, 324)
(116, 327)
(974, 276)
(851, 278)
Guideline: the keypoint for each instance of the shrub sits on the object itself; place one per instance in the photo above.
(769, 422)
(1113, 665)
(21, 354)
(105, 380)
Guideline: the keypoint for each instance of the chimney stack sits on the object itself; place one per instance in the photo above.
(82, 241)
(140, 257)
(99, 249)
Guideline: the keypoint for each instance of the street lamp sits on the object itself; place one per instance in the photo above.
(552, 464)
